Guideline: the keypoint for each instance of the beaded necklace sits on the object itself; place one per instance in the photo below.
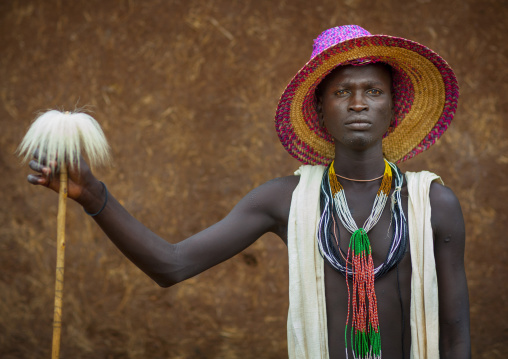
(357, 265)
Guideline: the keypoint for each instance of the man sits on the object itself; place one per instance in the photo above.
(388, 279)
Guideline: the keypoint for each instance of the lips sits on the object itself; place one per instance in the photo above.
(358, 124)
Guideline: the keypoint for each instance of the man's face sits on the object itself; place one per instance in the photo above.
(355, 105)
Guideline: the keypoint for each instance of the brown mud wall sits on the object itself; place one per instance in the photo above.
(186, 92)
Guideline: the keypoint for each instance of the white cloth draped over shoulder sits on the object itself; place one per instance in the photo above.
(307, 324)
(307, 327)
(424, 315)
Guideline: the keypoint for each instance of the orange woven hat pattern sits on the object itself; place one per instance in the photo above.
(425, 94)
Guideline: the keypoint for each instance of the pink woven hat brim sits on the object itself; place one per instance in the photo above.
(425, 93)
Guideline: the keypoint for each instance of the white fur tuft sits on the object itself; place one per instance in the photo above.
(61, 137)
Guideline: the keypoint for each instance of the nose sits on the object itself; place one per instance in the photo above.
(357, 102)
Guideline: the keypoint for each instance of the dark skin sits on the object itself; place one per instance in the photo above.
(355, 107)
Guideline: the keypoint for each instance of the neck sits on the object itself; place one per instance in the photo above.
(363, 165)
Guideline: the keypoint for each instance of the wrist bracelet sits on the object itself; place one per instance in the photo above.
(103, 206)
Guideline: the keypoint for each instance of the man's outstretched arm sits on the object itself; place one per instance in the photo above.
(449, 244)
(264, 209)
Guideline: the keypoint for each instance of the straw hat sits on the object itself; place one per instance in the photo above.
(425, 94)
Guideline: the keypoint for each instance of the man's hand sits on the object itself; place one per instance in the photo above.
(83, 187)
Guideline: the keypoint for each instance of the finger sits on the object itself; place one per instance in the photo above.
(44, 170)
(44, 176)
(36, 166)
(38, 180)
(39, 156)
(42, 158)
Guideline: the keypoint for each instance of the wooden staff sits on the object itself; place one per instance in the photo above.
(58, 137)
(60, 263)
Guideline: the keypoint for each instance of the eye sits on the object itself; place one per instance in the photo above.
(342, 92)
(374, 92)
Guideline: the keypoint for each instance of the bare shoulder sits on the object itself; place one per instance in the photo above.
(446, 211)
(285, 184)
(448, 228)
(442, 196)
(272, 201)
(274, 196)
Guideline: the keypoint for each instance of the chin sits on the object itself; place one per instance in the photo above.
(358, 143)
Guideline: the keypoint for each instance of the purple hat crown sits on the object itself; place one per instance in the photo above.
(336, 35)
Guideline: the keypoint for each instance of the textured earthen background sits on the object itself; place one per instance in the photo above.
(186, 92)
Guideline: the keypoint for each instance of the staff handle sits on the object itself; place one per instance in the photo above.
(60, 257)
